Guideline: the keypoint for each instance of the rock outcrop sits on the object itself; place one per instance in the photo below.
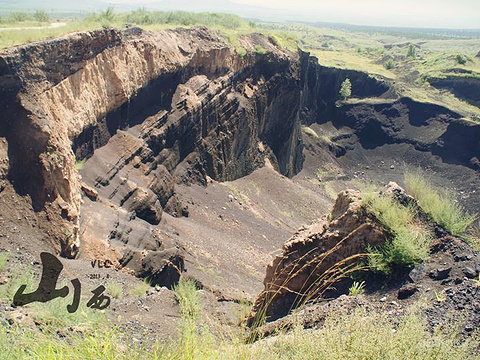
(317, 256)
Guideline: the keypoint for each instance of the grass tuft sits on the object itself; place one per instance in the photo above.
(115, 289)
(357, 288)
(140, 288)
(310, 132)
(440, 205)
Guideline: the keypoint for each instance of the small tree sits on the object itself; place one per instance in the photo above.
(412, 52)
(462, 60)
(346, 89)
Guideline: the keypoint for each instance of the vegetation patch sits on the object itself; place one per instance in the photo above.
(440, 205)
(408, 242)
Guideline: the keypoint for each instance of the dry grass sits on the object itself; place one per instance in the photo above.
(439, 204)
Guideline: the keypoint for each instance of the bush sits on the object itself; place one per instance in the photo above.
(241, 51)
(389, 64)
(309, 131)
(462, 60)
(18, 16)
(440, 205)
(41, 16)
(357, 288)
(408, 242)
(345, 89)
(115, 289)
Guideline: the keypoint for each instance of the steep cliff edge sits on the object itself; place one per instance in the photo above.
(203, 111)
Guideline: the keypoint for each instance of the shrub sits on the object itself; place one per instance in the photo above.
(241, 51)
(345, 89)
(389, 64)
(462, 60)
(108, 14)
(440, 205)
(260, 50)
(41, 16)
(188, 300)
(309, 131)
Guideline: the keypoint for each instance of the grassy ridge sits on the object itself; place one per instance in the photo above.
(441, 206)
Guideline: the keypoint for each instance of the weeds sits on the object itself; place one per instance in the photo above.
(25, 277)
(140, 288)
(357, 288)
(367, 335)
(260, 50)
(186, 294)
(314, 285)
(4, 256)
(439, 297)
(115, 289)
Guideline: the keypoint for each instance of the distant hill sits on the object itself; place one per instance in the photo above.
(423, 33)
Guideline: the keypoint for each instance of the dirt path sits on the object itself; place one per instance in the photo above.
(51, 26)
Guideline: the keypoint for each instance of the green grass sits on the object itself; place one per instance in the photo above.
(439, 204)
(186, 294)
(367, 335)
(23, 276)
(359, 335)
(230, 26)
(115, 289)
(140, 288)
(357, 288)
(4, 256)
(260, 50)
(80, 164)
(310, 132)
(408, 241)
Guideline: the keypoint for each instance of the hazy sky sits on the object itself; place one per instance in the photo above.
(409, 13)
(418, 13)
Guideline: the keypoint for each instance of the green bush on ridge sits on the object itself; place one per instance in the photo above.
(408, 243)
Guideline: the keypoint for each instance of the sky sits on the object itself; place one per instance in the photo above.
(410, 13)
(459, 14)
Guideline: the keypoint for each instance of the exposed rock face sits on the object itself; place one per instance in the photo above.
(312, 253)
(466, 88)
(162, 268)
(200, 109)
